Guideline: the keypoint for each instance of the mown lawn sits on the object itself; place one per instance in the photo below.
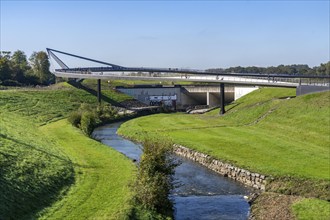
(34, 172)
(102, 176)
(49, 169)
(312, 209)
(263, 132)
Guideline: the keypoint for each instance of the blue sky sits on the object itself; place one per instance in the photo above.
(184, 34)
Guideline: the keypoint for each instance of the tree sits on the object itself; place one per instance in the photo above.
(323, 69)
(5, 71)
(40, 65)
(19, 65)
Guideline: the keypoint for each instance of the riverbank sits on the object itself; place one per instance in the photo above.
(102, 177)
(51, 170)
(268, 132)
(199, 193)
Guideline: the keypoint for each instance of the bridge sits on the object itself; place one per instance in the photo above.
(116, 72)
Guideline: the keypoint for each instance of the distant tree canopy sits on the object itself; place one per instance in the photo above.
(16, 70)
(300, 69)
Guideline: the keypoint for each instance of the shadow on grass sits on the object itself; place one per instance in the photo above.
(78, 85)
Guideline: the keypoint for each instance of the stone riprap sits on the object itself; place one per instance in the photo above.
(246, 177)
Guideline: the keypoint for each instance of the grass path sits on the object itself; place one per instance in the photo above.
(102, 176)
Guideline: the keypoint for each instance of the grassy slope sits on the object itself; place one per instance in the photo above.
(91, 83)
(33, 171)
(102, 177)
(262, 133)
(312, 209)
(35, 168)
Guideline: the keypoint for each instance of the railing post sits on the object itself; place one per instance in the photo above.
(99, 91)
(222, 98)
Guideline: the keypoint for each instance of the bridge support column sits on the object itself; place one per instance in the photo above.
(99, 91)
(222, 98)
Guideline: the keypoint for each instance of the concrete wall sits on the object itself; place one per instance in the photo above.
(243, 90)
(306, 89)
(186, 95)
(210, 94)
(142, 94)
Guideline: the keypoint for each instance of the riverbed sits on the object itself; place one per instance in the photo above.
(200, 193)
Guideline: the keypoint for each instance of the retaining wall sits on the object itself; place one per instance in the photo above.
(246, 177)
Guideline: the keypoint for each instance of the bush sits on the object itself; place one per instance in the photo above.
(155, 177)
(75, 118)
(87, 122)
(88, 116)
(10, 82)
(106, 112)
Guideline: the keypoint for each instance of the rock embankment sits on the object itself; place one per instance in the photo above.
(246, 177)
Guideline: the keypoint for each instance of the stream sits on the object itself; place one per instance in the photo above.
(202, 194)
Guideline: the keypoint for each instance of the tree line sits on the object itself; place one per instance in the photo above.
(17, 70)
(300, 69)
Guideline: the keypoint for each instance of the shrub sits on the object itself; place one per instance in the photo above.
(10, 82)
(155, 177)
(75, 118)
(106, 112)
(87, 122)
(88, 116)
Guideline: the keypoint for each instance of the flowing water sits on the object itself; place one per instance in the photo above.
(201, 193)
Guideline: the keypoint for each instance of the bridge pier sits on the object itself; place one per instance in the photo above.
(222, 98)
(99, 91)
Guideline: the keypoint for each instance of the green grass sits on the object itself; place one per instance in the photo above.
(265, 132)
(34, 172)
(102, 176)
(42, 106)
(54, 171)
(262, 132)
(128, 83)
(107, 89)
(311, 209)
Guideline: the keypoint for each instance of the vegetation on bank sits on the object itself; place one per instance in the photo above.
(88, 117)
(154, 181)
(46, 162)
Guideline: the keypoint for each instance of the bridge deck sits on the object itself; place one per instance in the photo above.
(177, 79)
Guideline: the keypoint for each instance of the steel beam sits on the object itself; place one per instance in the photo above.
(222, 98)
(99, 90)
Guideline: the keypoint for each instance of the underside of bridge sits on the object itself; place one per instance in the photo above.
(182, 96)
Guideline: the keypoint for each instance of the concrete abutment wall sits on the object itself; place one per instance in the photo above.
(187, 95)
